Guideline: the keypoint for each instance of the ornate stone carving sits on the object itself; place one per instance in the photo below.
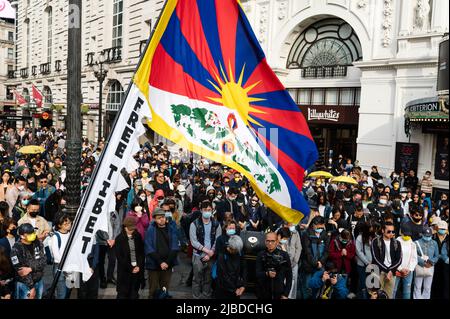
(282, 10)
(362, 4)
(387, 23)
(422, 20)
(263, 22)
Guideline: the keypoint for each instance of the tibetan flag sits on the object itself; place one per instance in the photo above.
(211, 90)
(37, 96)
(19, 98)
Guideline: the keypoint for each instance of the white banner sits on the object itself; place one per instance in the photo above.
(123, 143)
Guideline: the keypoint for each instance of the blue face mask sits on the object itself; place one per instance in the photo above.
(25, 202)
(231, 232)
(283, 241)
(292, 229)
(427, 238)
(442, 231)
(206, 215)
(168, 215)
(318, 230)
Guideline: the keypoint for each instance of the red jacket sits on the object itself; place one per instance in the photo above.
(335, 254)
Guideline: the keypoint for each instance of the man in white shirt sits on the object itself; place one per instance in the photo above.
(405, 271)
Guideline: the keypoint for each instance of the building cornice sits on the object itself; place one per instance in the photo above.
(396, 64)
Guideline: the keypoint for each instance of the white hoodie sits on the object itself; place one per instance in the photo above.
(409, 254)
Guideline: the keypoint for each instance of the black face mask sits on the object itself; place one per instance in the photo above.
(33, 214)
(14, 232)
(417, 219)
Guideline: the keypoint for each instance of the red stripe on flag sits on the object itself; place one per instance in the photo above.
(291, 120)
(269, 81)
(292, 168)
(167, 75)
(227, 13)
(192, 29)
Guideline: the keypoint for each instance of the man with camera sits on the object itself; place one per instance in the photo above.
(328, 284)
(273, 271)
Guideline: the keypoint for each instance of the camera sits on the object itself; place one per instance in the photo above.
(273, 261)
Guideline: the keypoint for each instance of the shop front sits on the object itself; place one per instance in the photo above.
(431, 116)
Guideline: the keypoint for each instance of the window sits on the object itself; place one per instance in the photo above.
(47, 92)
(115, 96)
(28, 43)
(26, 94)
(317, 97)
(117, 23)
(10, 36)
(347, 97)
(49, 34)
(10, 68)
(10, 53)
(326, 96)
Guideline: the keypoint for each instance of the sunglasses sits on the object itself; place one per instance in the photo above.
(390, 232)
(44, 182)
(271, 241)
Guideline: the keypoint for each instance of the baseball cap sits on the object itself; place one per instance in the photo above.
(435, 220)
(427, 231)
(406, 229)
(26, 228)
(442, 224)
(149, 187)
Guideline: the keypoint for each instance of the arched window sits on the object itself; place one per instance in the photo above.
(115, 96)
(49, 33)
(47, 92)
(26, 94)
(325, 49)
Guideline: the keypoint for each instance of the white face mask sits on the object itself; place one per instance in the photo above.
(21, 188)
(142, 198)
(138, 209)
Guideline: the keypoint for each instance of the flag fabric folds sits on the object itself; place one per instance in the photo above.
(19, 98)
(211, 90)
(37, 96)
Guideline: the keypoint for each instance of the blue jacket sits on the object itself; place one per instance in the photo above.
(42, 195)
(340, 290)
(430, 249)
(444, 253)
(150, 245)
(4, 243)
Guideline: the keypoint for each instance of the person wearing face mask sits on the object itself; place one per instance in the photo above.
(289, 240)
(32, 217)
(364, 255)
(185, 200)
(228, 205)
(426, 184)
(141, 218)
(243, 213)
(428, 256)
(134, 191)
(342, 250)
(404, 200)
(161, 250)
(231, 270)
(141, 197)
(157, 200)
(145, 178)
(377, 211)
(218, 200)
(415, 221)
(315, 245)
(255, 214)
(203, 234)
(20, 209)
(229, 229)
(28, 259)
(440, 286)
(405, 271)
(9, 228)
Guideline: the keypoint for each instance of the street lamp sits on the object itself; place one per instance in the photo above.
(100, 72)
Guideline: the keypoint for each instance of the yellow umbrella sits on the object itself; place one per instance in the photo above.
(31, 149)
(320, 174)
(344, 179)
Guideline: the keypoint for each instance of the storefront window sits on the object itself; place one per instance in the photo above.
(347, 97)
(331, 97)
(317, 97)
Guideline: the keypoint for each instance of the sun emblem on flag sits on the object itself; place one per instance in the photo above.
(235, 96)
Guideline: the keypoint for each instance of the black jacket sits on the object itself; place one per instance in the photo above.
(314, 249)
(124, 267)
(378, 254)
(32, 256)
(231, 272)
(268, 288)
(227, 206)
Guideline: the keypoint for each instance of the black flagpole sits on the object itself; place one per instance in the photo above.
(95, 172)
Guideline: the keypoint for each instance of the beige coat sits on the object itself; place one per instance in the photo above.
(41, 224)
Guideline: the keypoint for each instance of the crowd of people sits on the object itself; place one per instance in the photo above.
(378, 238)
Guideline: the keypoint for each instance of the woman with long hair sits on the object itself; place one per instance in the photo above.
(364, 255)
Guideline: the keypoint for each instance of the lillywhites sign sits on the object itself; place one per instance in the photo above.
(328, 115)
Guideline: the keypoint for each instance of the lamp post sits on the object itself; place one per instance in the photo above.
(100, 72)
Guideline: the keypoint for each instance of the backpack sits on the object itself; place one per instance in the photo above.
(48, 252)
